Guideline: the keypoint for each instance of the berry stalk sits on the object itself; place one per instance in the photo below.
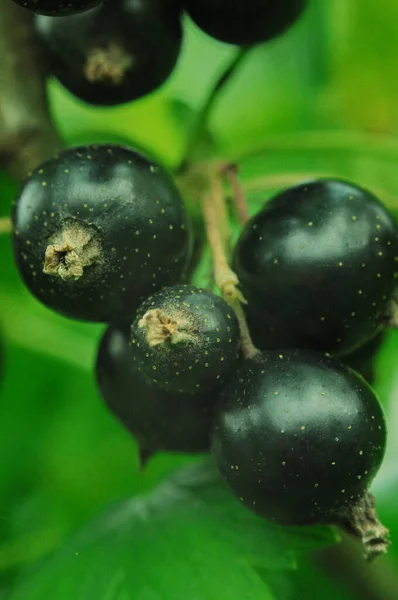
(231, 175)
(226, 280)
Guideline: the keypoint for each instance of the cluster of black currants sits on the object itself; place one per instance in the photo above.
(115, 51)
(101, 234)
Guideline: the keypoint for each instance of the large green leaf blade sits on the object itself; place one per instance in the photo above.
(189, 538)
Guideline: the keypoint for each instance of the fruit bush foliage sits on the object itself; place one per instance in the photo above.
(319, 101)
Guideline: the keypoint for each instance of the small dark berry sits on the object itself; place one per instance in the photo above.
(244, 21)
(299, 437)
(58, 8)
(160, 420)
(97, 229)
(317, 266)
(185, 339)
(116, 53)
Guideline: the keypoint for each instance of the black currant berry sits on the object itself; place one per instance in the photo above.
(244, 21)
(116, 53)
(185, 339)
(160, 420)
(299, 437)
(317, 267)
(97, 229)
(58, 8)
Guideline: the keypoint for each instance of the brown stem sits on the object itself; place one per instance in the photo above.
(226, 280)
(230, 172)
(221, 205)
(27, 136)
(5, 225)
(248, 348)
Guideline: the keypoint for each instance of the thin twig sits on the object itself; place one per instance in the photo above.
(230, 172)
(27, 136)
(226, 280)
(5, 225)
(221, 206)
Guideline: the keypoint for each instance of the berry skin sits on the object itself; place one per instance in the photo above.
(58, 8)
(116, 53)
(317, 267)
(160, 420)
(299, 438)
(185, 339)
(244, 22)
(97, 229)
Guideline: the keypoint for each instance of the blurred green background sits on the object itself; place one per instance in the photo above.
(322, 100)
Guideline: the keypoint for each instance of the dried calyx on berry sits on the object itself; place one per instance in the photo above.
(185, 339)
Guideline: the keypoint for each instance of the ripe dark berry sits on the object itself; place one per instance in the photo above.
(116, 53)
(317, 267)
(185, 339)
(97, 229)
(299, 437)
(159, 420)
(244, 21)
(58, 8)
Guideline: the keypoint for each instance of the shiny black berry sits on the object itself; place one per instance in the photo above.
(317, 267)
(58, 8)
(97, 229)
(299, 437)
(244, 21)
(159, 420)
(185, 339)
(116, 53)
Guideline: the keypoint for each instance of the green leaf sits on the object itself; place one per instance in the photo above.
(188, 538)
